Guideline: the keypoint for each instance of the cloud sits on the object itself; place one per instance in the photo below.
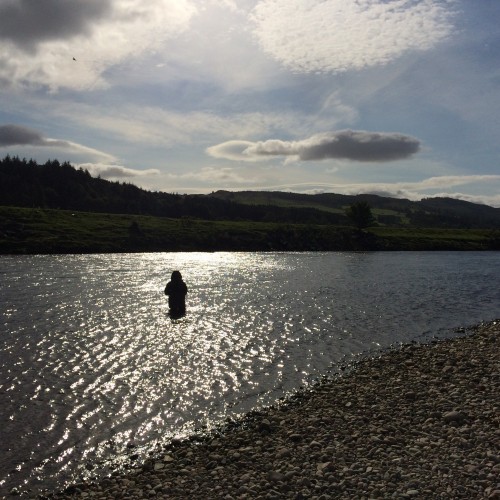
(17, 135)
(11, 135)
(455, 180)
(338, 35)
(26, 23)
(164, 127)
(431, 187)
(426, 185)
(70, 43)
(215, 176)
(345, 144)
(232, 150)
(115, 171)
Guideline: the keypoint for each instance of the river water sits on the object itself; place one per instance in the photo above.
(92, 369)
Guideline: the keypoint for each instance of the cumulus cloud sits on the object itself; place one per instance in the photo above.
(345, 144)
(17, 135)
(107, 171)
(338, 35)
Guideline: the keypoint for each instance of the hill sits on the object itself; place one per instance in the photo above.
(60, 186)
(394, 212)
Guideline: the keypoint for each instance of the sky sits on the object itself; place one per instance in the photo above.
(398, 98)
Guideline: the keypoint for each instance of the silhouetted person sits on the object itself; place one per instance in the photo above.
(176, 290)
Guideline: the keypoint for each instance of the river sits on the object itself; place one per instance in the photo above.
(93, 369)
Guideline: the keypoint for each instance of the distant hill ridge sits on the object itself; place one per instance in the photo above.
(25, 183)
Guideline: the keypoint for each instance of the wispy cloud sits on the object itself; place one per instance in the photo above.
(107, 171)
(442, 181)
(215, 176)
(339, 35)
(356, 145)
(164, 127)
(167, 128)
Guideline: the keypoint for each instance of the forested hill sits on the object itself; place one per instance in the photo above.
(54, 185)
(60, 186)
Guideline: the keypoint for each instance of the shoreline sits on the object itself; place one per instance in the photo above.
(52, 231)
(421, 421)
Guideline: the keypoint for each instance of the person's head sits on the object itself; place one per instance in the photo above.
(176, 276)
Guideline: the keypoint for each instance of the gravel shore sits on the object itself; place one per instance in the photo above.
(417, 422)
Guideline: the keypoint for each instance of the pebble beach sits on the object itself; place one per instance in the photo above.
(420, 421)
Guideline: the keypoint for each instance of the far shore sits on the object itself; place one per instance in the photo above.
(422, 421)
(28, 231)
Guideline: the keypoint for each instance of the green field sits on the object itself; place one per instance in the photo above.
(31, 231)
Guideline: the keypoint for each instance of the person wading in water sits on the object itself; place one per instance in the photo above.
(176, 291)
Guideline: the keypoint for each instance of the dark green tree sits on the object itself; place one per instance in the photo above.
(360, 214)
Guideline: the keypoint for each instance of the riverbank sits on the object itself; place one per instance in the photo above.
(419, 422)
(36, 231)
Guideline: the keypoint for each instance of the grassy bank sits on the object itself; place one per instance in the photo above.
(437, 238)
(29, 231)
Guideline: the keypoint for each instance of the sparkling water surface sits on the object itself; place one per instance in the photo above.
(90, 362)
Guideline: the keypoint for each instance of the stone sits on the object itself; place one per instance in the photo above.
(454, 417)
(275, 476)
(283, 452)
(325, 466)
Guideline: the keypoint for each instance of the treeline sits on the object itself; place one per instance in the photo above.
(55, 185)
